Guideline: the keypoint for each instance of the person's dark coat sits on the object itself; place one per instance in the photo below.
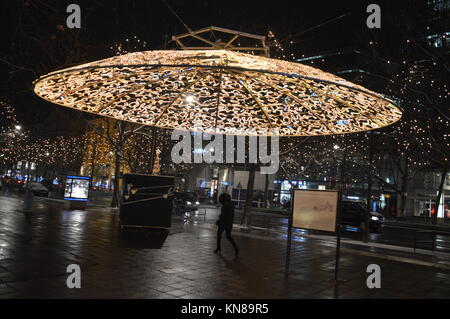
(225, 223)
(226, 216)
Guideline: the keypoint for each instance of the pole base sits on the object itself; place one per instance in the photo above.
(335, 282)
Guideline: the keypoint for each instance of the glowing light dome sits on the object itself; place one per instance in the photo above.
(218, 91)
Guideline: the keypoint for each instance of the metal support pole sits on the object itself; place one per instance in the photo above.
(152, 150)
(338, 250)
(239, 197)
(369, 190)
(28, 198)
(289, 238)
(338, 224)
(336, 269)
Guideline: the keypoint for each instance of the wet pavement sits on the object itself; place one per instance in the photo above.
(35, 250)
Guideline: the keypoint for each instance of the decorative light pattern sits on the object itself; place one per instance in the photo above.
(218, 91)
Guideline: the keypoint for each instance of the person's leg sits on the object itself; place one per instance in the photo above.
(219, 239)
(228, 235)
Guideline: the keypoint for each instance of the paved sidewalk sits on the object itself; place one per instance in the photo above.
(36, 249)
(420, 224)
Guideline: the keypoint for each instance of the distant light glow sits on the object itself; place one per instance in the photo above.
(189, 98)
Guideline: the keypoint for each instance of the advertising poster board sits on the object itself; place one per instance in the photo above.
(315, 209)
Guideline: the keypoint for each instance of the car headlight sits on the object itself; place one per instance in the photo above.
(188, 203)
(197, 203)
(374, 218)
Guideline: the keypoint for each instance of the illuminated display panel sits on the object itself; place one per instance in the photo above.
(315, 209)
(77, 188)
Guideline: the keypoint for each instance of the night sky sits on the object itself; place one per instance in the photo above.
(37, 41)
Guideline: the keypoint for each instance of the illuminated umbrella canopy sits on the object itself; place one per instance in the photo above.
(218, 91)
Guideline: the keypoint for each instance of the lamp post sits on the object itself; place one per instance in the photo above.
(28, 199)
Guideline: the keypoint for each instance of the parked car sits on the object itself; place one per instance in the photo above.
(38, 189)
(47, 183)
(15, 185)
(353, 214)
(186, 201)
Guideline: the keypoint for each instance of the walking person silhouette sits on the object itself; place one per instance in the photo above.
(225, 222)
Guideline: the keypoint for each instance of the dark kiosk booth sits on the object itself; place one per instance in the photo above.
(146, 201)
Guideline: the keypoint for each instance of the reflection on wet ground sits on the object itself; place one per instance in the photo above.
(35, 250)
